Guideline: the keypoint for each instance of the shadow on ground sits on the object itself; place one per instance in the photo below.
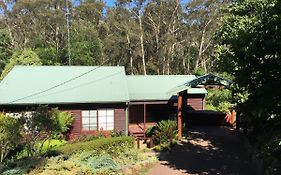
(210, 150)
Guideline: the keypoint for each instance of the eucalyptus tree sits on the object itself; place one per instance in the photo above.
(202, 17)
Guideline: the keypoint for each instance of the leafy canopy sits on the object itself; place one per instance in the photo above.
(25, 57)
(10, 134)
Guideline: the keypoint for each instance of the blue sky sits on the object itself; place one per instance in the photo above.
(109, 2)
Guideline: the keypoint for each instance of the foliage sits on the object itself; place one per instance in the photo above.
(24, 57)
(103, 144)
(249, 49)
(86, 47)
(42, 125)
(150, 131)
(102, 162)
(21, 167)
(119, 157)
(199, 72)
(63, 119)
(219, 100)
(10, 134)
(157, 37)
(165, 131)
(5, 49)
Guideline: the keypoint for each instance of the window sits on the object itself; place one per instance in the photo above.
(89, 120)
(102, 119)
(106, 119)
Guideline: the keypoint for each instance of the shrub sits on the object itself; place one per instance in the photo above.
(165, 131)
(42, 125)
(150, 131)
(116, 133)
(102, 162)
(10, 135)
(99, 145)
(219, 100)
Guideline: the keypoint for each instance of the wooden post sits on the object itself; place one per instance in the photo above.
(233, 118)
(144, 119)
(127, 119)
(179, 115)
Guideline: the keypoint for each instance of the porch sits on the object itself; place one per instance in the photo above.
(146, 114)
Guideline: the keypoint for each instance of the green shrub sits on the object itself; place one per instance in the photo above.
(116, 133)
(10, 135)
(165, 131)
(63, 120)
(150, 131)
(99, 145)
(102, 162)
(219, 100)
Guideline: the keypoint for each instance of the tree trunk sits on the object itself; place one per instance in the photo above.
(130, 54)
(200, 52)
(142, 45)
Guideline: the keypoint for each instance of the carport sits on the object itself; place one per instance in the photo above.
(182, 91)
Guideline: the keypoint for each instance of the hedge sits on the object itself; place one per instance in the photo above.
(99, 145)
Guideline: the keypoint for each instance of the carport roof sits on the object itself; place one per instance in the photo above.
(208, 79)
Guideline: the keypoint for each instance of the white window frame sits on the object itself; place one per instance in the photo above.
(106, 125)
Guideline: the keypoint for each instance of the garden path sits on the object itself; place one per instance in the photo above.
(209, 150)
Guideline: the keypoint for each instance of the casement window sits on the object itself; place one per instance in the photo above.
(106, 119)
(102, 119)
(89, 120)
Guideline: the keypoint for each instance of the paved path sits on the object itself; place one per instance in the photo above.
(209, 150)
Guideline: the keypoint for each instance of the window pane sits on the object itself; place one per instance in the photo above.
(85, 127)
(93, 119)
(110, 112)
(89, 120)
(106, 119)
(85, 120)
(110, 119)
(93, 113)
(85, 113)
(102, 112)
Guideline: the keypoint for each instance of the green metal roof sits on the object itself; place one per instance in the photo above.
(156, 87)
(85, 84)
(208, 79)
(44, 85)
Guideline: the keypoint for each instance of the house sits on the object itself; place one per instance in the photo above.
(99, 98)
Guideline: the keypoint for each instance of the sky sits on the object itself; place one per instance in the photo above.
(109, 2)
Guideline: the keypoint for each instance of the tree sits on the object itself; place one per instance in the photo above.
(42, 125)
(25, 57)
(5, 49)
(202, 16)
(86, 47)
(249, 47)
(10, 135)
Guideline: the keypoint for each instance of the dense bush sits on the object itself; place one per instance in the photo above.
(99, 145)
(219, 100)
(10, 135)
(164, 132)
(42, 125)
